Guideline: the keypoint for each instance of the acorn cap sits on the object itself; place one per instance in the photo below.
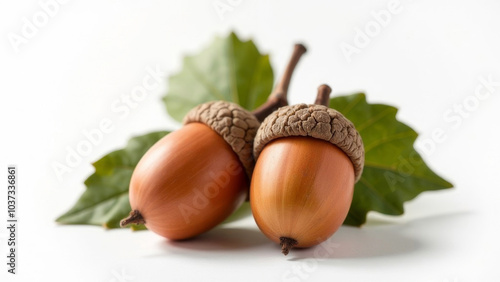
(236, 125)
(315, 121)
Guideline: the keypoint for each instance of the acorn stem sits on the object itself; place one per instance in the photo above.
(278, 98)
(287, 244)
(134, 217)
(323, 96)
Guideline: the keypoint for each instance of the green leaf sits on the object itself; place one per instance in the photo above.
(229, 69)
(394, 172)
(243, 211)
(105, 201)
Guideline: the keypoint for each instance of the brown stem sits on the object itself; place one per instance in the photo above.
(278, 98)
(287, 244)
(323, 97)
(134, 217)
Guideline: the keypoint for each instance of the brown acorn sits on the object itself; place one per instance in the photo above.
(308, 159)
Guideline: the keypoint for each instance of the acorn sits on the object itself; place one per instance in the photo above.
(194, 178)
(308, 160)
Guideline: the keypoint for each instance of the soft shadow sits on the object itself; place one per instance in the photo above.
(377, 240)
(353, 242)
(222, 239)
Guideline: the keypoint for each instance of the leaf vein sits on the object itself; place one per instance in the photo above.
(351, 105)
(374, 120)
(96, 203)
(382, 141)
(379, 196)
(394, 170)
(232, 74)
(205, 82)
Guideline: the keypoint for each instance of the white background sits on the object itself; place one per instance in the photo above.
(428, 59)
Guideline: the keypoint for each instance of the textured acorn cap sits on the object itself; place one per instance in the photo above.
(315, 121)
(236, 125)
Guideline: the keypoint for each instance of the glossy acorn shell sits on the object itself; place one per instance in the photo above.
(301, 188)
(188, 182)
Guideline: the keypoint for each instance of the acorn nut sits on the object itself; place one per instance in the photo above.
(308, 159)
(193, 178)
